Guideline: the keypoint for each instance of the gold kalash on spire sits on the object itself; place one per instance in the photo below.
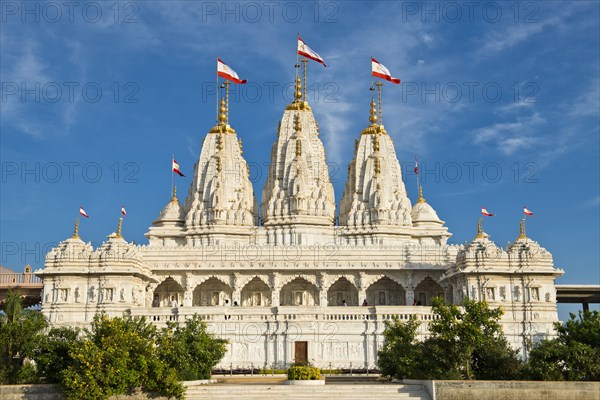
(375, 127)
(480, 233)
(222, 125)
(299, 102)
(522, 233)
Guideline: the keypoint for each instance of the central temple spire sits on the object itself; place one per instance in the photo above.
(298, 191)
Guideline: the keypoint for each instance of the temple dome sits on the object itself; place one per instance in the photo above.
(70, 252)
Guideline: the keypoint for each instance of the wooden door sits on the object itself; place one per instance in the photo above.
(300, 352)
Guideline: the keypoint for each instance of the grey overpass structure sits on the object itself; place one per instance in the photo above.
(578, 294)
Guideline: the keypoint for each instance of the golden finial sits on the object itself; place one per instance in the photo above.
(480, 234)
(522, 234)
(421, 198)
(278, 128)
(119, 228)
(76, 230)
(298, 148)
(299, 102)
(298, 94)
(373, 111)
(377, 166)
(222, 111)
(241, 149)
(376, 143)
(174, 198)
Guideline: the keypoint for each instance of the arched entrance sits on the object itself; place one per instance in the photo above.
(426, 291)
(212, 292)
(342, 290)
(256, 293)
(385, 292)
(168, 294)
(299, 292)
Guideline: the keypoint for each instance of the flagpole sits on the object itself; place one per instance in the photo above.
(372, 77)
(217, 93)
(418, 181)
(227, 83)
(305, 61)
(172, 173)
(297, 56)
(379, 85)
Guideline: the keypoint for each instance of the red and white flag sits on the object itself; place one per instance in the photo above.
(379, 70)
(486, 213)
(416, 166)
(176, 168)
(527, 212)
(224, 71)
(307, 52)
(82, 212)
(123, 211)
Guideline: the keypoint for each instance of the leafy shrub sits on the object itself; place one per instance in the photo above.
(191, 349)
(270, 371)
(304, 373)
(117, 356)
(574, 355)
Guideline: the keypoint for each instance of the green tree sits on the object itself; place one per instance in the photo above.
(400, 353)
(471, 336)
(52, 356)
(574, 355)
(116, 356)
(465, 342)
(20, 333)
(191, 349)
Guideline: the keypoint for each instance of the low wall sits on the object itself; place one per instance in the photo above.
(510, 390)
(52, 392)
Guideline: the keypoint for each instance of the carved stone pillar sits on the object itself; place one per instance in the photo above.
(410, 295)
(275, 289)
(275, 297)
(323, 297)
(187, 297)
(362, 295)
(322, 281)
(236, 293)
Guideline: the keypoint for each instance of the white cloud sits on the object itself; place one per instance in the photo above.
(426, 38)
(594, 202)
(510, 137)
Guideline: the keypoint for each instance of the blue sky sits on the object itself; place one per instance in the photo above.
(499, 102)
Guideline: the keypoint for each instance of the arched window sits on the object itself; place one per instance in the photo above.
(342, 290)
(168, 294)
(256, 293)
(385, 292)
(299, 292)
(426, 291)
(212, 292)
